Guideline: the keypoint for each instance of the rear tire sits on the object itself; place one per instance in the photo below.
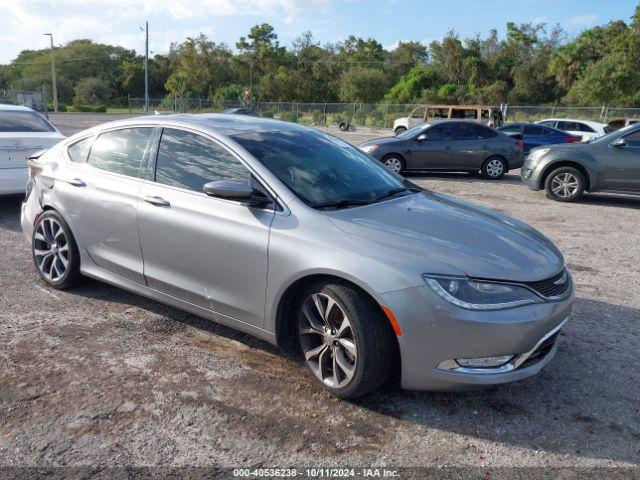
(346, 341)
(55, 253)
(494, 168)
(565, 184)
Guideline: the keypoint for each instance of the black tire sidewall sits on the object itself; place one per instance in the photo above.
(574, 171)
(399, 130)
(356, 387)
(70, 276)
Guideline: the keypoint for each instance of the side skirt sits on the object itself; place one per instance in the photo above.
(98, 273)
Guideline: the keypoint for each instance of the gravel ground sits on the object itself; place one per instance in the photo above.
(98, 376)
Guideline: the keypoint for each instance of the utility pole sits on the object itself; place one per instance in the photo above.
(54, 85)
(146, 66)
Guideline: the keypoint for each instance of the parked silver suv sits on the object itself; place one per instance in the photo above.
(607, 164)
(290, 234)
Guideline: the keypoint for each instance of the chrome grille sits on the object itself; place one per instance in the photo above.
(556, 286)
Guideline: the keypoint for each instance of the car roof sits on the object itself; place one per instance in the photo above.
(19, 108)
(588, 122)
(220, 123)
(524, 124)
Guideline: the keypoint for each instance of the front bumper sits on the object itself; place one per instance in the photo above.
(436, 332)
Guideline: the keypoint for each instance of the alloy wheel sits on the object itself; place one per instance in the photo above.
(394, 164)
(327, 340)
(495, 168)
(51, 249)
(565, 185)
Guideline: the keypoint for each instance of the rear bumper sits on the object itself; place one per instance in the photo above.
(13, 181)
(435, 333)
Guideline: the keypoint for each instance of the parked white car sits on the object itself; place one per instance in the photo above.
(23, 132)
(586, 129)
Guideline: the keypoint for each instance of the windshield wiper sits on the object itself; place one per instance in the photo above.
(342, 203)
(346, 202)
(395, 191)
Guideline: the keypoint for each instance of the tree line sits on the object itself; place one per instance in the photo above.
(532, 64)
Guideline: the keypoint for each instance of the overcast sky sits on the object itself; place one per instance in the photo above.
(22, 22)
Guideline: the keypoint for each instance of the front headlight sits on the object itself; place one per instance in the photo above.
(369, 148)
(479, 294)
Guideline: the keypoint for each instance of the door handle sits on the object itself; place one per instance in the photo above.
(448, 147)
(77, 182)
(485, 147)
(157, 201)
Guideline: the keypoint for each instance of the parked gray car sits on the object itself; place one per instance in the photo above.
(295, 236)
(610, 163)
(449, 145)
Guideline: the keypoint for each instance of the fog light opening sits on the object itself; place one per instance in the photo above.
(484, 362)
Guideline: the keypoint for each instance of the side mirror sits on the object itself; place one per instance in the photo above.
(619, 142)
(422, 137)
(236, 190)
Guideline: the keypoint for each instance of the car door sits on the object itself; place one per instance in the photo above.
(98, 192)
(621, 165)
(469, 147)
(204, 250)
(435, 152)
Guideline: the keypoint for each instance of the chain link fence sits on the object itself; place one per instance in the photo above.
(375, 115)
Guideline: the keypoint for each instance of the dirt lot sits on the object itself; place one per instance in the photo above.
(99, 376)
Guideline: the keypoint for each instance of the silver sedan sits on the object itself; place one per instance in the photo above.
(295, 236)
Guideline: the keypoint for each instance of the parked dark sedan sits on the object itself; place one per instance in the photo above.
(534, 135)
(607, 164)
(449, 145)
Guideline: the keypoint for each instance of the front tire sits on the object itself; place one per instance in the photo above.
(55, 252)
(565, 184)
(494, 168)
(400, 130)
(395, 163)
(345, 339)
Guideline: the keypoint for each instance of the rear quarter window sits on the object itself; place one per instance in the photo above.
(78, 151)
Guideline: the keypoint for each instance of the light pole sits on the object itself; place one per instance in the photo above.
(146, 66)
(54, 85)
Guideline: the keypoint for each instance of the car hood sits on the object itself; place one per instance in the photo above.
(380, 141)
(432, 230)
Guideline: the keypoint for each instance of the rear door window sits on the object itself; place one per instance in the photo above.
(437, 112)
(566, 126)
(534, 130)
(583, 127)
(22, 121)
(481, 131)
(120, 151)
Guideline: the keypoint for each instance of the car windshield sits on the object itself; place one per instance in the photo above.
(610, 136)
(322, 170)
(21, 121)
(413, 131)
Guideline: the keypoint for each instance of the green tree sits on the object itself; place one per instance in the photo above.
(92, 91)
(363, 84)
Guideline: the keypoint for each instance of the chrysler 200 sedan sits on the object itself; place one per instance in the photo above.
(295, 236)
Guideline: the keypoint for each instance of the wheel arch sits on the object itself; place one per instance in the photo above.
(496, 155)
(565, 163)
(285, 315)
